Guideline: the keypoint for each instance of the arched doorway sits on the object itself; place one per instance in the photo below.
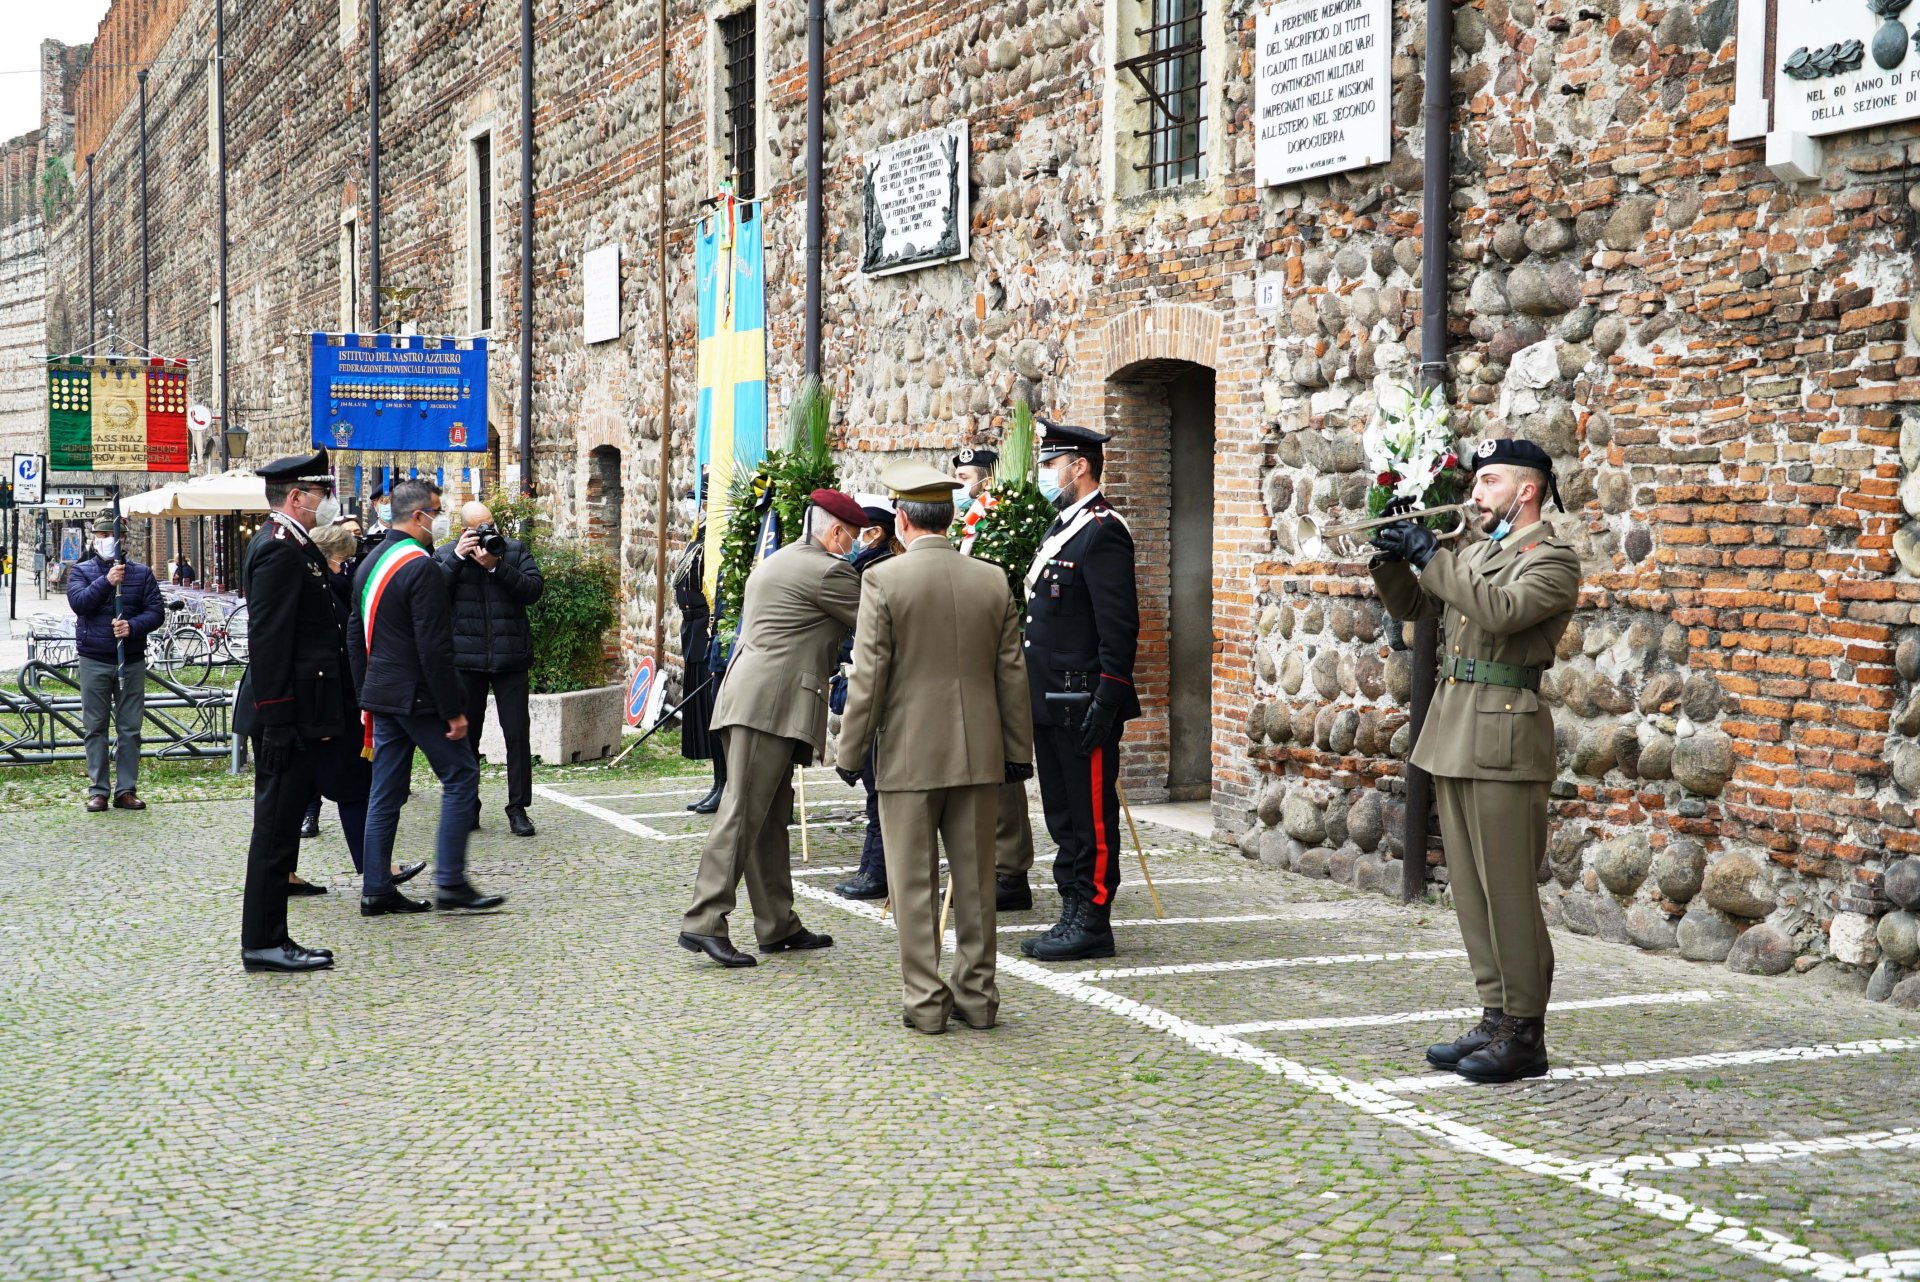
(605, 495)
(1161, 474)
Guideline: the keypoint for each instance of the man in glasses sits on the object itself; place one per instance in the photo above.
(400, 640)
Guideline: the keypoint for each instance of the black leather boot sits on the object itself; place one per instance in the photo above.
(1449, 1054)
(1518, 1049)
(1069, 905)
(1011, 893)
(709, 803)
(1087, 935)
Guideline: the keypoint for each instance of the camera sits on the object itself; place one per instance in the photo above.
(491, 541)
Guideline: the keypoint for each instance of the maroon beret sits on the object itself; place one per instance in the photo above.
(841, 507)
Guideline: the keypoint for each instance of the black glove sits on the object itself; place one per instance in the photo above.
(851, 778)
(277, 746)
(1407, 541)
(1019, 771)
(1097, 728)
(1388, 545)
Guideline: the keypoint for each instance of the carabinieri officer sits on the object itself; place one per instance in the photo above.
(1083, 624)
(1488, 739)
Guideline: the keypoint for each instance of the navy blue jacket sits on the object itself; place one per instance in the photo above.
(408, 671)
(1083, 619)
(91, 597)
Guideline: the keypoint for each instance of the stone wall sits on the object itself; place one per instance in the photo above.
(1718, 360)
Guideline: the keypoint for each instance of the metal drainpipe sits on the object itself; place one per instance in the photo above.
(146, 288)
(220, 232)
(92, 307)
(526, 246)
(816, 199)
(666, 373)
(1436, 210)
(373, 162)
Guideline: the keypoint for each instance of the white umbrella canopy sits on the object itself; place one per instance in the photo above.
(162, 502)
(227, 492)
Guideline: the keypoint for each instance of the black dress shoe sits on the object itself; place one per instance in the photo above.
(710, 803)
(310, 827)
(517, 821)
(1011, 893)
(290, 942)
(799, 941)
(862, 886)
(907, 1020)
(1448, 1055)
(1518, 1049)
(305, 888)
(466, 897)
(289, 958)
(408, 872)
(390, 901)
(718, 947)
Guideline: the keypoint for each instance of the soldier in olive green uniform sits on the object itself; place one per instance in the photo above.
(1488, 739)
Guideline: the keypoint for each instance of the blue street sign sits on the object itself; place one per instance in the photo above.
(406, 393)
(639, 691)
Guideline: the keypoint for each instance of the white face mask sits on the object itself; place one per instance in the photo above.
(327, 513)
(442, 526)
(106, 547)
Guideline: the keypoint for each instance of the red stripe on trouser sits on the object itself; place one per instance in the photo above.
(1100, 850)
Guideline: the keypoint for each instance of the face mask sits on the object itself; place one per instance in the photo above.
(442, 526)
(1505, 527)
(1050, 485)
(962, 500)
(327, 513)
(385, 513)
(106, 548)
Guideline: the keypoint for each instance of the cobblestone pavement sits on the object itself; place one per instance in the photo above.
(557, 1091)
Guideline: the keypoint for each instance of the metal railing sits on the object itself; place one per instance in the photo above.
(41, 721)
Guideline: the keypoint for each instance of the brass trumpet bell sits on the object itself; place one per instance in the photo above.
(1350, 541)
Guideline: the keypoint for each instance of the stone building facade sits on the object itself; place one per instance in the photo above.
(1715, 343)
(36, 183)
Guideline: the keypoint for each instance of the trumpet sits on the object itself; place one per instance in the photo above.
(1315, 540)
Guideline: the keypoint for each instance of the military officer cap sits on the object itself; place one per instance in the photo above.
(301, 469)
(878, 510)
(1057, 439)
(915, 482)
(982, 456)
(1518, 453)
(840, 507)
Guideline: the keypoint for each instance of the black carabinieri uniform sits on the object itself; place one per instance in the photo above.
(296, 676)
(1083, 627)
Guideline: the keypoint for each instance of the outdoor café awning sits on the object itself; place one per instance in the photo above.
(227, 492)
(159, 502)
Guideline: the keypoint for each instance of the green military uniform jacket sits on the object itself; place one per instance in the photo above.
(1508, 602)
(800, 603)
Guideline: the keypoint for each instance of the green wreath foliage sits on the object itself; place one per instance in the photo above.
(1011, 530)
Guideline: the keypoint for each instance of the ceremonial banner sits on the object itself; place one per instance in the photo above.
(116, 414)
(399, 393)
(731, 427)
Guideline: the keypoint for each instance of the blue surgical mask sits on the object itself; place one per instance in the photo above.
(1050, 485)
(385, 513)
(1505, 527)
(962, 500)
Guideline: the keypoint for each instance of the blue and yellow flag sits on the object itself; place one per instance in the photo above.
(732, 421)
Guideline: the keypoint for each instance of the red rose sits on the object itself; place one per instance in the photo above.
(1448, 462)
(1386, 478)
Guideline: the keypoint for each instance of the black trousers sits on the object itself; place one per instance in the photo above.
(1081, 799)
(510, 696)
(279, 803)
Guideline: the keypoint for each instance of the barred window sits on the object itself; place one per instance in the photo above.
(737, 40)
(1170, 75)
(483, 226)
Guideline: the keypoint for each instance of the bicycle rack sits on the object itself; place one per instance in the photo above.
(41, 722)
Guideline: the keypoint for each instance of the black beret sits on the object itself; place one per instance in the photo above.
(1519, 453)
(976, 456)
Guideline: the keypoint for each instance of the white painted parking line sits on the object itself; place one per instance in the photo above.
(686, 814)
(1271, 963)
(1681, 1064)
(1890, 1264)
(806, 870)
(1734, 1234)
(1895, 1139)
(623, 822)
(1458, 1013)
(1201, 921)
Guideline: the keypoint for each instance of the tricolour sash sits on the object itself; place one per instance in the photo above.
(393, 555)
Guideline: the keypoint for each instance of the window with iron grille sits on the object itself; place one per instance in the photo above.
(1170, 76)
(737, 47)
(483, 230)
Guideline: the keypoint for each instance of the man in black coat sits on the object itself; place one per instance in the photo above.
(493, 644)
(292, 702)
(1083, 625)
(400, 641)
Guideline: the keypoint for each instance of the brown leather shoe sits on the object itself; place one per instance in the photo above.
(96, 804)
(127, 801)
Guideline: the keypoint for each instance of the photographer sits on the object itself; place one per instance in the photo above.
(493, 580)
(116, 603)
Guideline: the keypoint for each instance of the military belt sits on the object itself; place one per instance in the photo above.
(1488, 673)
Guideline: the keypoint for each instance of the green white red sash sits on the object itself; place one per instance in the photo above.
(395, 553)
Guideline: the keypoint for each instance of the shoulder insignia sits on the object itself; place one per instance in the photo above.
(313, 569)
(279, 530)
